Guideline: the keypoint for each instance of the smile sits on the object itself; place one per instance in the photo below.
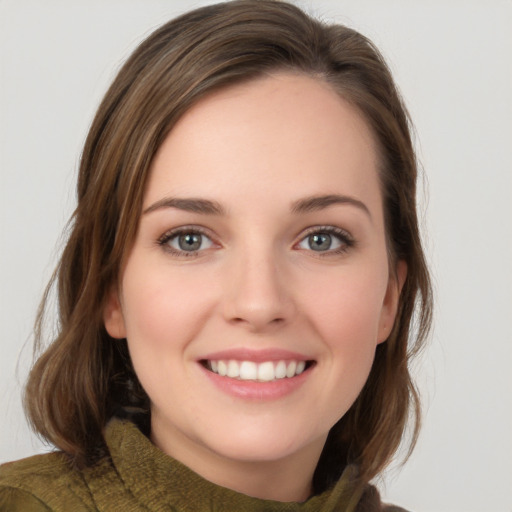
(265, 371)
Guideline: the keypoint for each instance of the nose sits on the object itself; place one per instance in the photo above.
(258, 295)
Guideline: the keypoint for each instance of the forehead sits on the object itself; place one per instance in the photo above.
(279, 130)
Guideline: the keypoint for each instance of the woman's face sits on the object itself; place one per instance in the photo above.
(258, 285)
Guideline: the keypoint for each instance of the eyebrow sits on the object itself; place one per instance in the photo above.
(208, 207)
(204, 206)
(315, 203)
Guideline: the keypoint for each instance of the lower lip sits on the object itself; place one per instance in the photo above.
(252, 390)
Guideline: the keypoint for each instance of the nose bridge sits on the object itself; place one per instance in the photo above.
(258, 294)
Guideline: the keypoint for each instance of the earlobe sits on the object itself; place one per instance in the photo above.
(391, 300)
(113, 316)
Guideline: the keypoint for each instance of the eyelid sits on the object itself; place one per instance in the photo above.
(346, 239)
(163, 240)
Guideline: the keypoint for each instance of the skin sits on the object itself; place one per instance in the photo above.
(256, 150)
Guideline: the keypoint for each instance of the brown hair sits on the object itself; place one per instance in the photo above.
(85, 377)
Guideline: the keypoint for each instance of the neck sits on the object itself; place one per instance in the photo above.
(288, 479)
(275, 480)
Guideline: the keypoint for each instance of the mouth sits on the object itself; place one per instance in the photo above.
(264, 371)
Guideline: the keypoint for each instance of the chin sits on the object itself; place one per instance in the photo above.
(263, 444)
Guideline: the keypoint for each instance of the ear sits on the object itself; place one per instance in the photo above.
(113, 315)
(391, 299)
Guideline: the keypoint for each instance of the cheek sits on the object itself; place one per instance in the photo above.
(346, 318)
(161, 310)
(349, 309)
(162, 307)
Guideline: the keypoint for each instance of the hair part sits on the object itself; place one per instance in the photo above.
(85, 377)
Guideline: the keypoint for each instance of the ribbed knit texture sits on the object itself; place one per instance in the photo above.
(140, 477)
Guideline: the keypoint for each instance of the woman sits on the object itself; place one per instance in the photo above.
(237, 290)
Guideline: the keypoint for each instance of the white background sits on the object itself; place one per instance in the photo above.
(453, 62)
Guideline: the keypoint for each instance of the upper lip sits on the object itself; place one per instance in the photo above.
(255, 355)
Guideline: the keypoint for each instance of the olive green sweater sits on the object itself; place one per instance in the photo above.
(140, 477)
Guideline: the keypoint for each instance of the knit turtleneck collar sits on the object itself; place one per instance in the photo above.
(158, 482)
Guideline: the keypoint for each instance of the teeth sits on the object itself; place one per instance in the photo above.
(262, 372)
(266, 371)
(222, 368)
(248, 370)
(233, 369)
(290, 370)
(281, 370)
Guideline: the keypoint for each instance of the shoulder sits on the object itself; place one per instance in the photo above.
(370, 502)
(16, 500)
(43, 483)
(46, 466)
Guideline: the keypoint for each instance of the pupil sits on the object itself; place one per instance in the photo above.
(190, 242)
(320, 242)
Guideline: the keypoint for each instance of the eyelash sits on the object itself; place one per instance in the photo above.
(344, 238)
(164, 240)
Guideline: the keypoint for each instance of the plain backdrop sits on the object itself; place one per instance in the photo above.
(453, 63)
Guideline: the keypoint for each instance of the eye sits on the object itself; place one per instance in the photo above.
(185, 241)
(326, 239)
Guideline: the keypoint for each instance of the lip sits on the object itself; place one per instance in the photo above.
(256, 356)
(252, 390)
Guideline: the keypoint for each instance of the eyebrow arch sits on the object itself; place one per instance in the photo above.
(203, 206)
(315, 203)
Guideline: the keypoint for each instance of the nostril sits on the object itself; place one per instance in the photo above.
(274, 321)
